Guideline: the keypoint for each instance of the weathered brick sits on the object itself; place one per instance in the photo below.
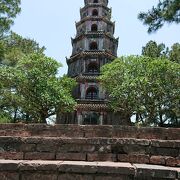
(75, 177)
(11, 155)
(70, 148)
(39, 165)
(2, 132)
(114, 177)
(71, 156)
(9, 176)
(134, 149)
(38, 176)
(88, 148)
(115, 168)
(134, 158)
(39, 156)
(144, 171)
(99, 131)
(123, 158)
(101, 157)
(159, 160)
(170, 161)
(28, 147)
(78, 167)
(164, 151)
(165, 143)
(9, 165)
(139, 158)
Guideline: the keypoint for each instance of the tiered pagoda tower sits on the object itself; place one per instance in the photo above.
(93, 46)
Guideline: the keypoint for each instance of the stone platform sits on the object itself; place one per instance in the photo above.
(77, 170)
(37, 151)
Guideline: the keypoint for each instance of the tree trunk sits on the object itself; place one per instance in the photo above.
(15, 116)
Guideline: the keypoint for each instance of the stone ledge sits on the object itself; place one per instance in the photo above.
(154, 171)
(89, 131)
(142, 151)
(85, 170)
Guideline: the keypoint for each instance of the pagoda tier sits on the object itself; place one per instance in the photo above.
(88, 62)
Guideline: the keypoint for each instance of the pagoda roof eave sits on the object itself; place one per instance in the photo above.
(102, 18)
(93, 53)
(82, 78)
(92, 106)
(98, 33)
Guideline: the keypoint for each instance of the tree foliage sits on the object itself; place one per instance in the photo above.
(8, 11)
(146, 87)
(174, 54)
(154, 50)
(30, 88)
(32, 91)
(14, 46)
(166, 11)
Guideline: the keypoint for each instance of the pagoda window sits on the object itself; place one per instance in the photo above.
(93, 46)
(93, 68)
(95, 12)
(92, 93)
(94, 27)
(95, 1)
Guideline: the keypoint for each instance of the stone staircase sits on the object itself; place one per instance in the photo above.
(37, 151)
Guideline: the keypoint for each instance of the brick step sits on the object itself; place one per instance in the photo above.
(159, 152)
(77, 170)
(88, 131)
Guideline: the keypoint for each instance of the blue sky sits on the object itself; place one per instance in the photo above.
(52, 24)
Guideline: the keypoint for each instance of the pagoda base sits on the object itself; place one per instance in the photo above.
(92, 114)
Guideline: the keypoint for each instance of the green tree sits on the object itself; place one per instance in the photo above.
(143, 86)
(154, 50)
(166, 11)
(8, 11)
(14, 46)
(36, 91)
(174, 54)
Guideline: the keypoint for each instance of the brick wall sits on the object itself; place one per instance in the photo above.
(89, 131)
(158, 146)
(161, 152)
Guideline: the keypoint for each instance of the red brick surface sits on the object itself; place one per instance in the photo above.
(88, 131)
(158, 146)
(159, 160)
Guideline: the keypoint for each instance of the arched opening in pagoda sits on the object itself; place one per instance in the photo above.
(95, 1)
(94, 28)
(92, 118)
(93, 68)
(93, 46)
(95, 12)
(92, 93)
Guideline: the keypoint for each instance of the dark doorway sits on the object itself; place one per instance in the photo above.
(91, 118)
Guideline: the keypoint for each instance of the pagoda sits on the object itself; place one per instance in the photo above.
(93, 46)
